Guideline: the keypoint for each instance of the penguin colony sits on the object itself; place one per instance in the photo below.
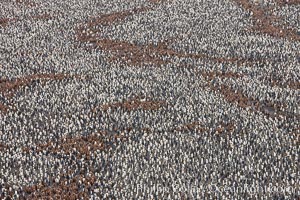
(149, 99)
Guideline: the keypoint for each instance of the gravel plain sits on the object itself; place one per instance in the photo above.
(149, 99)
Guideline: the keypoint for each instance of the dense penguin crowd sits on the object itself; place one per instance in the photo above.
(149, 99)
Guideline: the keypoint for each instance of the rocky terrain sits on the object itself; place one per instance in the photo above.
(149, 99)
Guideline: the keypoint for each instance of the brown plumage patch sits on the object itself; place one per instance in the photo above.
(134, 104)
(9, 87)
(296, 135)
(225, 127)
(295, 85)
(85, 31)
(219, 128)
(287, 2)
(131, 53)
(192, 126)
(272, 109)
(109, 19)
(280, 80)
(3, 146)
(138, 54)
(69, 185)
(41, 17)
(4, 22)
(65, 188)
(121, 50)
(3, 108)
(157, 1)
(264, 21)
(217, 74)
(270, 80)
(28, 3)
(81, 146)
